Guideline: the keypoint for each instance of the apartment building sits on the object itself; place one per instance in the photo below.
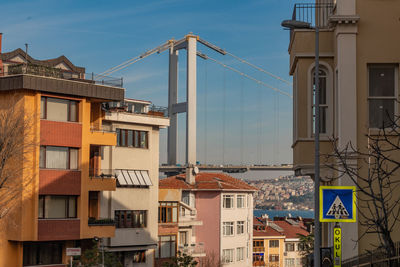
(59, 192)
(134, 160)
(359, 84)
(219, 210)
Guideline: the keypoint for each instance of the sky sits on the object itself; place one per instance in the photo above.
(239, 121)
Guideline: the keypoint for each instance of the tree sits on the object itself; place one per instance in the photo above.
(181, 260)
(306, 247)
(374, 169)
(93, 257)
(17, 143)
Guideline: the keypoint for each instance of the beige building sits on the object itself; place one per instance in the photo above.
(359, 78)
(134, 160)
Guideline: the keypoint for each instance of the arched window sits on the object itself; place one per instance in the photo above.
(325, 102)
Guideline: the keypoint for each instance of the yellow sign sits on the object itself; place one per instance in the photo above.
(337, 247)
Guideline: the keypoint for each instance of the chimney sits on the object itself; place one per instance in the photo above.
(191, 172)
(1, 61)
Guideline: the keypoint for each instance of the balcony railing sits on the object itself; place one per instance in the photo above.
(100, 221)
(102, 173)
(316, 14)
(45, 71)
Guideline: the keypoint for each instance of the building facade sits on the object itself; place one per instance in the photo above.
(134, 160)
(359, 80)
(216, 216)
(57, 204)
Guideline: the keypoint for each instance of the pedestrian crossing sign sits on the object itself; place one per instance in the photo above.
(337, 204)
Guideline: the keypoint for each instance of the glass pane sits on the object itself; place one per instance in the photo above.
(175, 214)
(169, 215)
(381, 113)
(41, 206)
(381, 81)
(143, 139)
(130, 138)
(57, 109)
(56, 157)
(73, 158)
(42, 157)
(72, 207)
(43, 108)
(123, 138)
(322, 90)
(322, 119)
(118, 137)
(136, 139)
(73, 112)
(55, 207)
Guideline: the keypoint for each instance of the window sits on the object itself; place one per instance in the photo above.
(228, 201)
(274, 243)
(42, 253)
(186, 197)
(227, 255)
(167, 212)
(289, 246)
(183, 238)
(139, 256)
(258, 257)
(240, 201)
(166, 246)
(57, 207)
(323, 101)
(240, 227)
(57, 109)
(132, 138)
(258, 243)
(289, 262)
(240, 254)
(273, 258)
(130, 218)
(228, 228)
(57, 157)
(382, 95)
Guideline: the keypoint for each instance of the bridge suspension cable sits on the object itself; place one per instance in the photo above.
(244, 74)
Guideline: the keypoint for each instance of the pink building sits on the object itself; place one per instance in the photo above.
(216, 214)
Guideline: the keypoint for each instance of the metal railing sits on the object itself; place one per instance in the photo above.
(100, 221)
(102, 173)
(46, 71)
(375, 258)
(316, 14)
(157, 110)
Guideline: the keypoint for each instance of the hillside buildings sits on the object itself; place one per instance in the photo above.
(210, 212)
(359, 78)
(134, 161)
(58, 184)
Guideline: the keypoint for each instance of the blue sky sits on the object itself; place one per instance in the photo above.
(101, 34)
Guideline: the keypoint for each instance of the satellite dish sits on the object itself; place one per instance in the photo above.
(196, 170)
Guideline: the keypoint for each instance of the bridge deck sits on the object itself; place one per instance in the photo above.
(229, 168)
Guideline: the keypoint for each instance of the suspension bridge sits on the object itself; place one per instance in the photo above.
(191, 43)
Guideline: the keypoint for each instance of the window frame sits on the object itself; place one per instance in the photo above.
(395, 91)
(290, 244)
(231, 255)
(243, 197)
(167, 205)
(66, 211)
(130, 224)
(238, 225)
(272, 243)
(226, 226)
(238, 258)
(273, 258)
(134, 133)
(158, 250)
(225, 197)
(68, 108)
(43, 149)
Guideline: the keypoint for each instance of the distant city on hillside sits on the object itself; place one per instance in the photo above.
(284, 193)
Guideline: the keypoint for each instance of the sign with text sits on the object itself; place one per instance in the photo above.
(337, 247)
(337, 204)
(73, 251)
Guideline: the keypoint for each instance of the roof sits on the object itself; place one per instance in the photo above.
(268, 232)
(291, 231)
(206, 181)
(48, 62)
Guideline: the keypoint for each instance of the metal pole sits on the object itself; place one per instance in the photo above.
(317, 232)
(102, 252)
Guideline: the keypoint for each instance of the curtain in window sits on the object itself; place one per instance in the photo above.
(57, 109)
(55, 207)
(56, 157)
(73, 159)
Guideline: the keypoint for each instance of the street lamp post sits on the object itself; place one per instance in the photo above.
(295, 24)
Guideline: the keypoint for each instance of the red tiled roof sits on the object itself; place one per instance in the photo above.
(206, 181)
(268, 232)
(290, 230)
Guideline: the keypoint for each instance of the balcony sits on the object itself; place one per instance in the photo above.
(194, 249)
(188, 216)
(102, 180)
(102, 137)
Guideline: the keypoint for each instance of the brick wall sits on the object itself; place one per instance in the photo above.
(59, 182)
(55, 133)
(49, 230)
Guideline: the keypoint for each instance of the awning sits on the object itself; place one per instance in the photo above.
(133, 178)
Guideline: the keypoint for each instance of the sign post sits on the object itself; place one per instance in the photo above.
(73, 252)
(337, 246)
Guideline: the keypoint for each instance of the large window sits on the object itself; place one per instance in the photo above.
(57, 157)
(166, 246)
(240, 227)
(228, 228)
(274, 243)
(57, 109)
(273, 258)
(227, 255)
(323, 101)
(289, 246)
(240, 254)
(167, 212)
(57, 207)
(382, 95)
(240, 201)
(42, 253)
(132, 138)
(130, 218)
(228, 201)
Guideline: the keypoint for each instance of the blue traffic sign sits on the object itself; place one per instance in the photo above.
(337, 204)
